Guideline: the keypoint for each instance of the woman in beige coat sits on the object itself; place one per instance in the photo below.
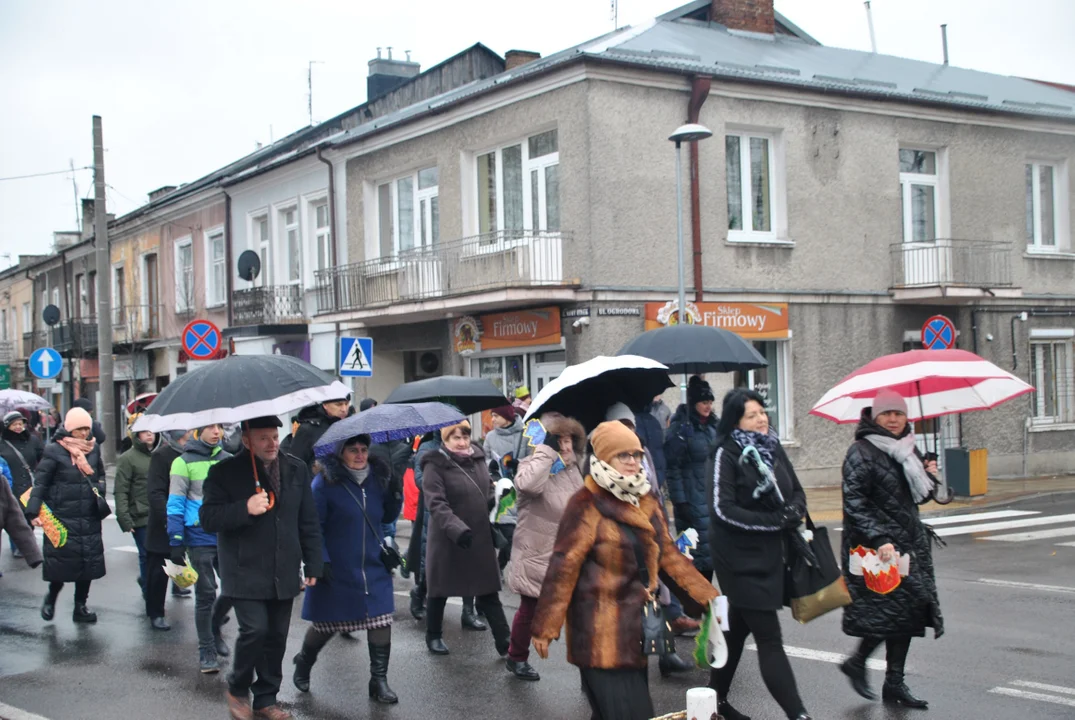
(541, 499)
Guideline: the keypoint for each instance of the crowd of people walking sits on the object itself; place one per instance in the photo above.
(588, 544)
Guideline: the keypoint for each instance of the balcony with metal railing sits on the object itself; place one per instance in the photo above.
(952, 270)
(133, 324)
(493, 261)
(268, 305)
(78, 336)
(7, 352)
(32, 341)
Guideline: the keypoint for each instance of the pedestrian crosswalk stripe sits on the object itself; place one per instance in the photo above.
(973, 517)
(1005, 525)
(1038, 696)
(1070, 544)
(1042, 686)
(126, 548)
(822, 655)
(1036, 535)
(1025, 585)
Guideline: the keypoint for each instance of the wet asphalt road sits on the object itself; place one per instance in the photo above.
(1007, 646)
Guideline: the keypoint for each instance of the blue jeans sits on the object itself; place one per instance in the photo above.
(388, 530)
(140, 541)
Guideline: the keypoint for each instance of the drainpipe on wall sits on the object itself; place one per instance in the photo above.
(699, 92)
(331, 228)
(229, 285)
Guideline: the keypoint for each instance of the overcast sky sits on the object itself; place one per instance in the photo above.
(187, 87)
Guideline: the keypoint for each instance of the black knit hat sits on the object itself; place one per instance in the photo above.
(12, 417)
(698, 390)
(366, 404)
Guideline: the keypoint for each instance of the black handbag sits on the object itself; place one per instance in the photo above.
(657, 637)
(103, 508)
(815, 584)
(391, 558)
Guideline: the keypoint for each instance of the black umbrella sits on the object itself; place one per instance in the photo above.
(470, 395)
(239, 388)
(695, 349)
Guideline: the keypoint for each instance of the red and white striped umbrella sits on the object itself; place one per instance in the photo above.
(934, 382)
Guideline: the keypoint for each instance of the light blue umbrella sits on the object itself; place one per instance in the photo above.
(389, 422)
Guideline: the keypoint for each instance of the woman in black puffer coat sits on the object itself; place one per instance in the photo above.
(66, 480)
(688, 448)
(885, 480)
(22, 450)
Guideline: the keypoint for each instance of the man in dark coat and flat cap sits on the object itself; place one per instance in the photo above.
(260, 505)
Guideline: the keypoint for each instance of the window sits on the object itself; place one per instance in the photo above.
(184, 275)
(291, 243)
(1053, 377)
(91, 296)
(750, 166)
(216, 278)
(408, 211)
(519, 187)
(3, 325)
(1042, 217)
(56, 297)
(321, 234)
(260, 235)
(119, 296)
(27, 318)
(919, 195)
(774, 384)
(81, 297)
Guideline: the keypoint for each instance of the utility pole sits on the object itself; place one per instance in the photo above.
(310, 87)
(107, 409)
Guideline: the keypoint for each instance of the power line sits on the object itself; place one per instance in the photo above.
(37, 175)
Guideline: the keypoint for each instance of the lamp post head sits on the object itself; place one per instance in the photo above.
(689, 133)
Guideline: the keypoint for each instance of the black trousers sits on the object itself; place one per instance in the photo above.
(82, 591)
(260, 648)
(764, 625)
(896, 648)
(156, 585)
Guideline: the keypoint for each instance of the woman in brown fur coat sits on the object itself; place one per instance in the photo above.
(593, 580)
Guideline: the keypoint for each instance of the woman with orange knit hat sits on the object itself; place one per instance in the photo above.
(596, 583)
(69, 479)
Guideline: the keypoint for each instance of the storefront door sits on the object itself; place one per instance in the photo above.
(546, 368)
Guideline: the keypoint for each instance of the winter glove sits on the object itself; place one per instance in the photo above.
(552, 441)
(326, 573)
(792, 515)
(465, 540)
(178, 555)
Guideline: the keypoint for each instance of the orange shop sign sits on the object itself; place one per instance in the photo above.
(755, 322)
(521, 328)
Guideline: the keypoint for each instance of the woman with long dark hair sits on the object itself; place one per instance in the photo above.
(748, 537)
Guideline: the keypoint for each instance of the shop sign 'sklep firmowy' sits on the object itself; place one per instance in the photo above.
(756, 322)
(521, 328)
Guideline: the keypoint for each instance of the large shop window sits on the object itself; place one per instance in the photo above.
(1053, 376)
(519, 188)
(774, 384)
(408, 210)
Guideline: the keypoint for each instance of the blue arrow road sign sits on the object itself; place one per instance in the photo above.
(45, 363)
(356, 357)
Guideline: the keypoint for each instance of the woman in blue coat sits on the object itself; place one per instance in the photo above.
(355, 592)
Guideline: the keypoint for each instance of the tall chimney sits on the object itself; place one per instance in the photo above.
(515, 58)
(750, 15)
(88, 218)
(387, 74)
(944, 42)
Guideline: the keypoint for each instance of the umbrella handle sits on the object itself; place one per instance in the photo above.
(257, 483)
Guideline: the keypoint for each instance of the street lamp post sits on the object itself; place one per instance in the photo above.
(690, 132)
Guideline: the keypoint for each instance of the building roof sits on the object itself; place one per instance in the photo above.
(679, 43)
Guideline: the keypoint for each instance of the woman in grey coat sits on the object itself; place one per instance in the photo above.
(502, 445)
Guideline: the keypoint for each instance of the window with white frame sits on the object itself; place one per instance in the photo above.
(119, 296)
(81, 296)
(773, 383)
(1042, 205)
(919, 195)
(263, 245)
(519, 188)
(216, 278)
(3, 325)
(321, 233)
(291, 244)
(184, 275)
(408, 213)
(27, 318)
(1052, 370)
(56, 296)
(750, 170)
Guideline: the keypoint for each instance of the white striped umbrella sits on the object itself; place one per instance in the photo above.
(934, 383)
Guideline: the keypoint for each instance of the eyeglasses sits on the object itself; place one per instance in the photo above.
(629, 456)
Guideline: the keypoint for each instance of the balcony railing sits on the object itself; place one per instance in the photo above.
(269, 305)
(133, 324)
(78, 336)
(507, 259)
(7, 352)
(948, 262)
(32, 341)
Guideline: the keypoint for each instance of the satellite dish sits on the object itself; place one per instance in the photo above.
(51, 315)
(249, 265)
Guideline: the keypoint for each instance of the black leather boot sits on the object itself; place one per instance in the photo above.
(418, 605)
(83, 615)
(469, 618)
(379, 689)
(436, 645)
(855, 670)
(304, 661)
(895, 691)
(726, 711)
(48, 608)
(673, 663)
(899, 694)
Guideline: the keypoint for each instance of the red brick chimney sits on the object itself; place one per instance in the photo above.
(750, 15)
(515, 58)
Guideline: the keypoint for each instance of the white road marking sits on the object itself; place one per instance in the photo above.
(969, 517)
(1006, 525)
(126, 549)
(451, 601)
(1070, 544)
(1042, 686)
(1025, 586)
(14, 713)
(1040, 697)
(821, 655)
(1036, 535)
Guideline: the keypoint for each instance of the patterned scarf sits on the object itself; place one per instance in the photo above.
(766, 445)
(627, 488)
(903, 452)
(79, 449)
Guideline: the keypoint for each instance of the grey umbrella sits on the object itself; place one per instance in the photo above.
(469, 394)
(694, 349)
(389, 422)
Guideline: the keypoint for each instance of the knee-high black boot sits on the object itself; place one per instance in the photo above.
(895, 690)
(855, 667)
(379, 654)
(307, 656)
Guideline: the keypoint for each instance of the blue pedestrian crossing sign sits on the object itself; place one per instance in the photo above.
(45, 363)
(356, 357)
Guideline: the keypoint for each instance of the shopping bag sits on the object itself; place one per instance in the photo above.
(881, 577)
(54, 530)
(815, 585)
(183, 575)
(710, 647)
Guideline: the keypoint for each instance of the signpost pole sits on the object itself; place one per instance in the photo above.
(104, 294)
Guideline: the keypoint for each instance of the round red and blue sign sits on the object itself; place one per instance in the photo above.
(938, 333)
(201, 340)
